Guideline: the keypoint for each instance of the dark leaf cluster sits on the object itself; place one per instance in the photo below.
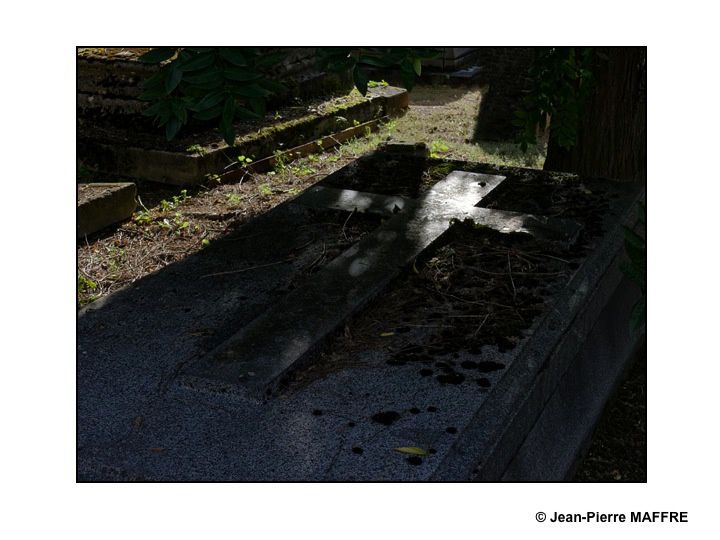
(209, 83)
(357, 60)
(562, 79)
(233, 83)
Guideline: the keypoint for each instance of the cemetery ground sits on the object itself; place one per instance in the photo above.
(172, 224)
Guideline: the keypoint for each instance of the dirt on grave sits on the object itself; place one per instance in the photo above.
(170, 227)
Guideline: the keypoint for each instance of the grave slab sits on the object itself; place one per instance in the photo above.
(260, 355)
(354, 201)
(351, 406)
(103, 204)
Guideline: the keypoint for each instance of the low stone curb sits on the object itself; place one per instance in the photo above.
(107, 203)
(183, 168)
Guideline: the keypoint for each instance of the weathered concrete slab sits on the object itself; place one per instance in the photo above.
(350, 200)
(260, 355)
(138, 420)
(103, 204)
(538, 418)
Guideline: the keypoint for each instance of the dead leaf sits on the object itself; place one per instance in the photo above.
(387, 334)
(414, 450)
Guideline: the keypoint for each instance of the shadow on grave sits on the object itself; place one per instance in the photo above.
(177, 315)
(133, 344)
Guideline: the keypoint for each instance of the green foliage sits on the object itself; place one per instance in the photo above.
(280, 160)
(143, 217)
(227, 84)
(176, 200)
(196, 149)
(561, 82)
(177, 224)
(85, 285)
(357, 60)
(234, 199)
(209, 83)
(438, 147)
(636, 266)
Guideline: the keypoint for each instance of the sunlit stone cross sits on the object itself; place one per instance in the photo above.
(265, 351)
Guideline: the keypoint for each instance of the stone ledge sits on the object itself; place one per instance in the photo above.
(103, 204)
(182, 168)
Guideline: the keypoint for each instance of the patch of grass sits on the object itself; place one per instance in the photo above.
(437, 148)
(444, 118)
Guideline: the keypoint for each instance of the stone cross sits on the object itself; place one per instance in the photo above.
(265, 351)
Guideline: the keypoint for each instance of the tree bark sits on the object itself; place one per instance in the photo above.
(612, 135)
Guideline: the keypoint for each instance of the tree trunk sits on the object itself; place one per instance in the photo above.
(612, 135)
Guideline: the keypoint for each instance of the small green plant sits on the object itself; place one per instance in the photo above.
(303, 170)
(143, 217)
(234, 199)
(280, 161)
(205, 242)
(115, 257)
(177, 224)
(196, 149)
(376, 84)
(176, 201)
(85, 285)
(437, 148)
(243, 160)
(265, 190)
